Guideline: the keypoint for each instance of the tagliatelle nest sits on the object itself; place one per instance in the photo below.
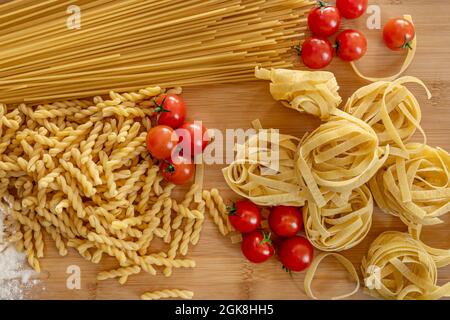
(415, 189)
(340, 156)
(315, 92)
(397, 267)
(338, 227)
(255, 177)
(390, 109)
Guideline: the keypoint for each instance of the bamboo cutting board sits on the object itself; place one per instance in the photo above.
(222, 272)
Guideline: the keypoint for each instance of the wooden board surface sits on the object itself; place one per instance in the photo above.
(222, 273)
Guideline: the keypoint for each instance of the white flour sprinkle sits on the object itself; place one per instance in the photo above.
(15, 275)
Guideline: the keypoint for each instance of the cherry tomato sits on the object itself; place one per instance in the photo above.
(316, 52)
(177, 170)
(352, 9)
(398, 34)
(296, 254)
(170, 110)
(161, 140)
(257, 247)
(285, 221)
(195, 137)
(324, 20)
(245, 216)
(351, 45)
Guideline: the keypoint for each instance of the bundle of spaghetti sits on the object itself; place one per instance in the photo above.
(338, 157)
(126, 45)
(417, 188)
(397, 267)
(315, 93)
(339, 226)
(79, 170)
(264, 170)
(390, 109)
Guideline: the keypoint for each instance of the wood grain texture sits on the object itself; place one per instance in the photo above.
(222, 272)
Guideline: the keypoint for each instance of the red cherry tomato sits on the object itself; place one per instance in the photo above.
(352, 9)
(316, 52)
(257, 247)
(398, 34)
(245, 216)
(296, 254)
(195, 137)
(285, 221)
(177, 170)
(161, 140)
(324, 21)
(351, 45)
(170, 110)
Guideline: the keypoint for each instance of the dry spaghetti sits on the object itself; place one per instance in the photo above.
(46, 55)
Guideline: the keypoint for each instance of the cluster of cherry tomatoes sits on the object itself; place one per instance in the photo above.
(324, 21)
(174, 141)
(294, 252)
(350, 45)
